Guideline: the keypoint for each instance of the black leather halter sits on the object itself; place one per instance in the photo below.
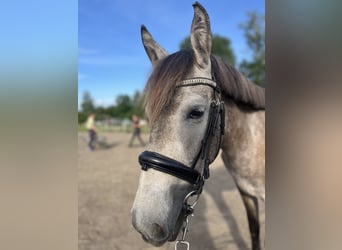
(148, 159)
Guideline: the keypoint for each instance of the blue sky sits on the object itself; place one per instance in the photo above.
(111, 58)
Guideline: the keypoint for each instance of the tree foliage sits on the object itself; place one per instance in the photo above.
(82, 117)
(254, 32)
(87, 104)
(125, 106)
(221, 46)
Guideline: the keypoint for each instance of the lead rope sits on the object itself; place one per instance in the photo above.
(189, 210)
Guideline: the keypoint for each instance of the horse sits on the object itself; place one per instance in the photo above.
(196, 105)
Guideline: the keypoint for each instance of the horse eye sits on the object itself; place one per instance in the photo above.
(196, 114)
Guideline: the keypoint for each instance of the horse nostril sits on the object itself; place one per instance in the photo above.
(158, 232)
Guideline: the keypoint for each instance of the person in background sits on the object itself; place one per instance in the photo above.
(136, 131)
(90, 125)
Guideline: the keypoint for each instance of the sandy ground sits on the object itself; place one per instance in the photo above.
(108, 180)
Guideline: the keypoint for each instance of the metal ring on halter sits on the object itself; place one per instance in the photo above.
(194, 192)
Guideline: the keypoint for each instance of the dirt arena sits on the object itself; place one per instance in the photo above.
(108, 180)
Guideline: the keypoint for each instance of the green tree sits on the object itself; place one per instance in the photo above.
(87, 104)
(254, 32)
(138, 103)
(221, 46)
(112, 111)
(82, 117)
(124, 106)
(137, 98)
(101, 113)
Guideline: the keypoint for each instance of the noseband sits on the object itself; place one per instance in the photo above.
(164, 164)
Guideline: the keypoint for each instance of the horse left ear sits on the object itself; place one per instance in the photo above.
(154, 51)
(201, 36)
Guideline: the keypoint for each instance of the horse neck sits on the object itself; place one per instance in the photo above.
(242, 123)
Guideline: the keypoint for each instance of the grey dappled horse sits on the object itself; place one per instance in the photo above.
(196, 104)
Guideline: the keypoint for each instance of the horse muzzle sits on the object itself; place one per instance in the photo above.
(152, 233)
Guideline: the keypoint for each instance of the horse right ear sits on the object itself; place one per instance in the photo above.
(154, 51)
(200, 37)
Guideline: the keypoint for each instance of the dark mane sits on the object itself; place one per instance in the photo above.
(160, 87)
(236, 86)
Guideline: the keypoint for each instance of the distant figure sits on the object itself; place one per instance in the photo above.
(136, 131)
(90, 125)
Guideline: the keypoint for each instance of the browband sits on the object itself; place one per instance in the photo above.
(198, 81)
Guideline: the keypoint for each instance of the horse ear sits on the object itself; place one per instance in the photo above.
(201, 36)
(154, 51)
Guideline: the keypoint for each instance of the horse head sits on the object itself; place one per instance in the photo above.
(184, 108)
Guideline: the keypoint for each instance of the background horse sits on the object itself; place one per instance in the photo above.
(184, 104)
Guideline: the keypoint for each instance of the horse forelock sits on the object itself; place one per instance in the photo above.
(161, 85)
